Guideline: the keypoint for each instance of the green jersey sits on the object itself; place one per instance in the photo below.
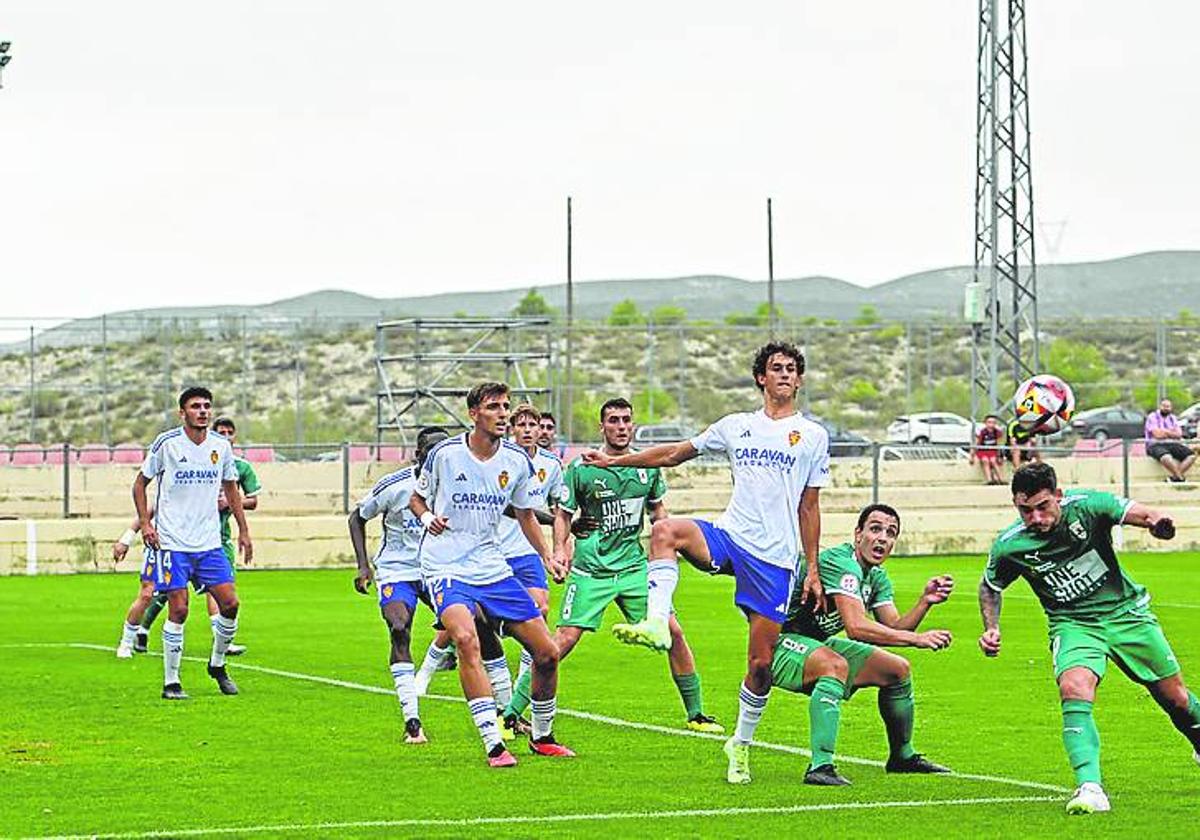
(841, 574)
(1073, 569)
(247, 480)
(616, 497)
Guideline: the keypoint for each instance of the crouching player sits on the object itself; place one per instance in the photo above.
(397, 571)
(810, 658)
(466, 483)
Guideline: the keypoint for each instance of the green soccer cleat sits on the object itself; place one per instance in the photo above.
(704, 723)
(653, 633)
(739, 762)
(1089, 798)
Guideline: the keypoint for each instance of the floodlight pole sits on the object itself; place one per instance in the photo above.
(569, 411)
(770, 271)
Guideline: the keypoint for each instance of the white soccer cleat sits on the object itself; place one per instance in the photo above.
(738, 754)
(653, 633)
(1089, 798)
(124, 651)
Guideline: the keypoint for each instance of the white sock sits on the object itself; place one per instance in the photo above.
(661, 576)
(526, 663)
(223, 629)
(433, 658)
(128, 635)
(542, 716)
(483, 711)
(501, 680)
(406, 689)
(750, 709)
(172, 635)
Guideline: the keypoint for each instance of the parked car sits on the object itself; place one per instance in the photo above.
(1189, 420)
(930, 427)
(1110, 421)
(653, 435)
(841, 441)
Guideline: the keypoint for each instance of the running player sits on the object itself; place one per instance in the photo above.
(609, 564)
(1063, 547)
(812, 659)
(780, 461)
(191, 467)
(396, 569)
(466, 483)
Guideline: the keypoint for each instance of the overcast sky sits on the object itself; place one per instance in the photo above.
(157, 154)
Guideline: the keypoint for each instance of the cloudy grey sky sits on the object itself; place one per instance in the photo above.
(158, 154)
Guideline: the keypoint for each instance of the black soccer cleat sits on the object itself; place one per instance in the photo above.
(141, 642)
(174, 691)
(826, 775)
(224, 681)
(235, 650)
(517, 725)
(916, 763)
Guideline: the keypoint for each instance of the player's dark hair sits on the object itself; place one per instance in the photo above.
(1033, 478)
(224, 421)
(525, 409)
(192, 393)
(615, 402)
(483, 390)
(428, 438)
(770, 349)
(887, 510)
(546, 415)
(992, 417)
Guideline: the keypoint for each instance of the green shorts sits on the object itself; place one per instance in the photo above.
(585, 598)
(792, 650)
(1133, 640)
(231, 555)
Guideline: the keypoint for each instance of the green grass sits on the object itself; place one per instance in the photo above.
(87, 747)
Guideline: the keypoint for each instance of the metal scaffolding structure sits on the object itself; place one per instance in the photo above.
(424, 379)
(1005, 329)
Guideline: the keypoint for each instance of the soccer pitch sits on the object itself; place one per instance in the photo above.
(312, 747)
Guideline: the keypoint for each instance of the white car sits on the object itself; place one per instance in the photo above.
(930, 427)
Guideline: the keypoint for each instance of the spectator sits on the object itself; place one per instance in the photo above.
(1022, 444)
(1164, 442)
(987, 450)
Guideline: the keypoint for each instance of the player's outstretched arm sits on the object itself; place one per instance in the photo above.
(990, 601)
(937, 590)
(663, 455)
(233, 495)
(861, 628)
(358, 539)
(1140, 516)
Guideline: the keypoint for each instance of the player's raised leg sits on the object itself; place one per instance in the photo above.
(1173, 696)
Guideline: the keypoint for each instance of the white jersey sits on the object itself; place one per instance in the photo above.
(544, 487)
(772, 462)
(472, 495)
(189, 479)
(396, 560)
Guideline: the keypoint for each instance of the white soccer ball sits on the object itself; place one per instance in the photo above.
(1044, 404)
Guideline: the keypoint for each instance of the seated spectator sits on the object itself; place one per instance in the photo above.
(1164, 442)
(987, 450)
(1022, 444)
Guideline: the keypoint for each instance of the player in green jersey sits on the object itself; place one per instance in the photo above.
(609, 562)
(812, 659)
(1063, 547)
(250, 486)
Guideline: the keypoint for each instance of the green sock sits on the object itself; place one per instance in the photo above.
(1188, 721)
(1082, 740)
(689, 692)
(896, 709)
(520, 696)
(156, 606)
(824, 714)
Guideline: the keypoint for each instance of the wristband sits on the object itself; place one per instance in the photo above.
(127, 538)
(426, 518)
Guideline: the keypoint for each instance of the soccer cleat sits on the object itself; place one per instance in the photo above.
(506, 734)
(549, 747)
(653, 633)
(703, 723)
(1196, 755)
(915, 763)
(826, 775)
(224, 682)
(235, 650)
(124, 651)
(413, 733)
(141, 642)
(517, 725)
(449, 662)
(501, 757)
(1089, 798)
(174, 691)
(739, 762)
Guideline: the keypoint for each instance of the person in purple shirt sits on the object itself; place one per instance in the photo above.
(1164, 442)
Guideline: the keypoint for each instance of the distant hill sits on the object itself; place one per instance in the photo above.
(1151, 285)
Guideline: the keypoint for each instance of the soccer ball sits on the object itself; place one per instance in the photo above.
(1044, 404)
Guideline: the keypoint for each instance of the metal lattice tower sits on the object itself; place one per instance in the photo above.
(1006, 332)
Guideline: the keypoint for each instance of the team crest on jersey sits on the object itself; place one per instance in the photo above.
(1076, 528)
(167, 578)
(849, 583)
(643, 476)
(213, 456)
(541, 474)
(793, 437)
(503, 479)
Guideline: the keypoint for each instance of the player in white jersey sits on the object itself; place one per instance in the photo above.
(396, 569)
(466, 483)
(779, 462)
(192, 467)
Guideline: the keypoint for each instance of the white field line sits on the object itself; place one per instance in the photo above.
(574, 713)
(560, 818)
